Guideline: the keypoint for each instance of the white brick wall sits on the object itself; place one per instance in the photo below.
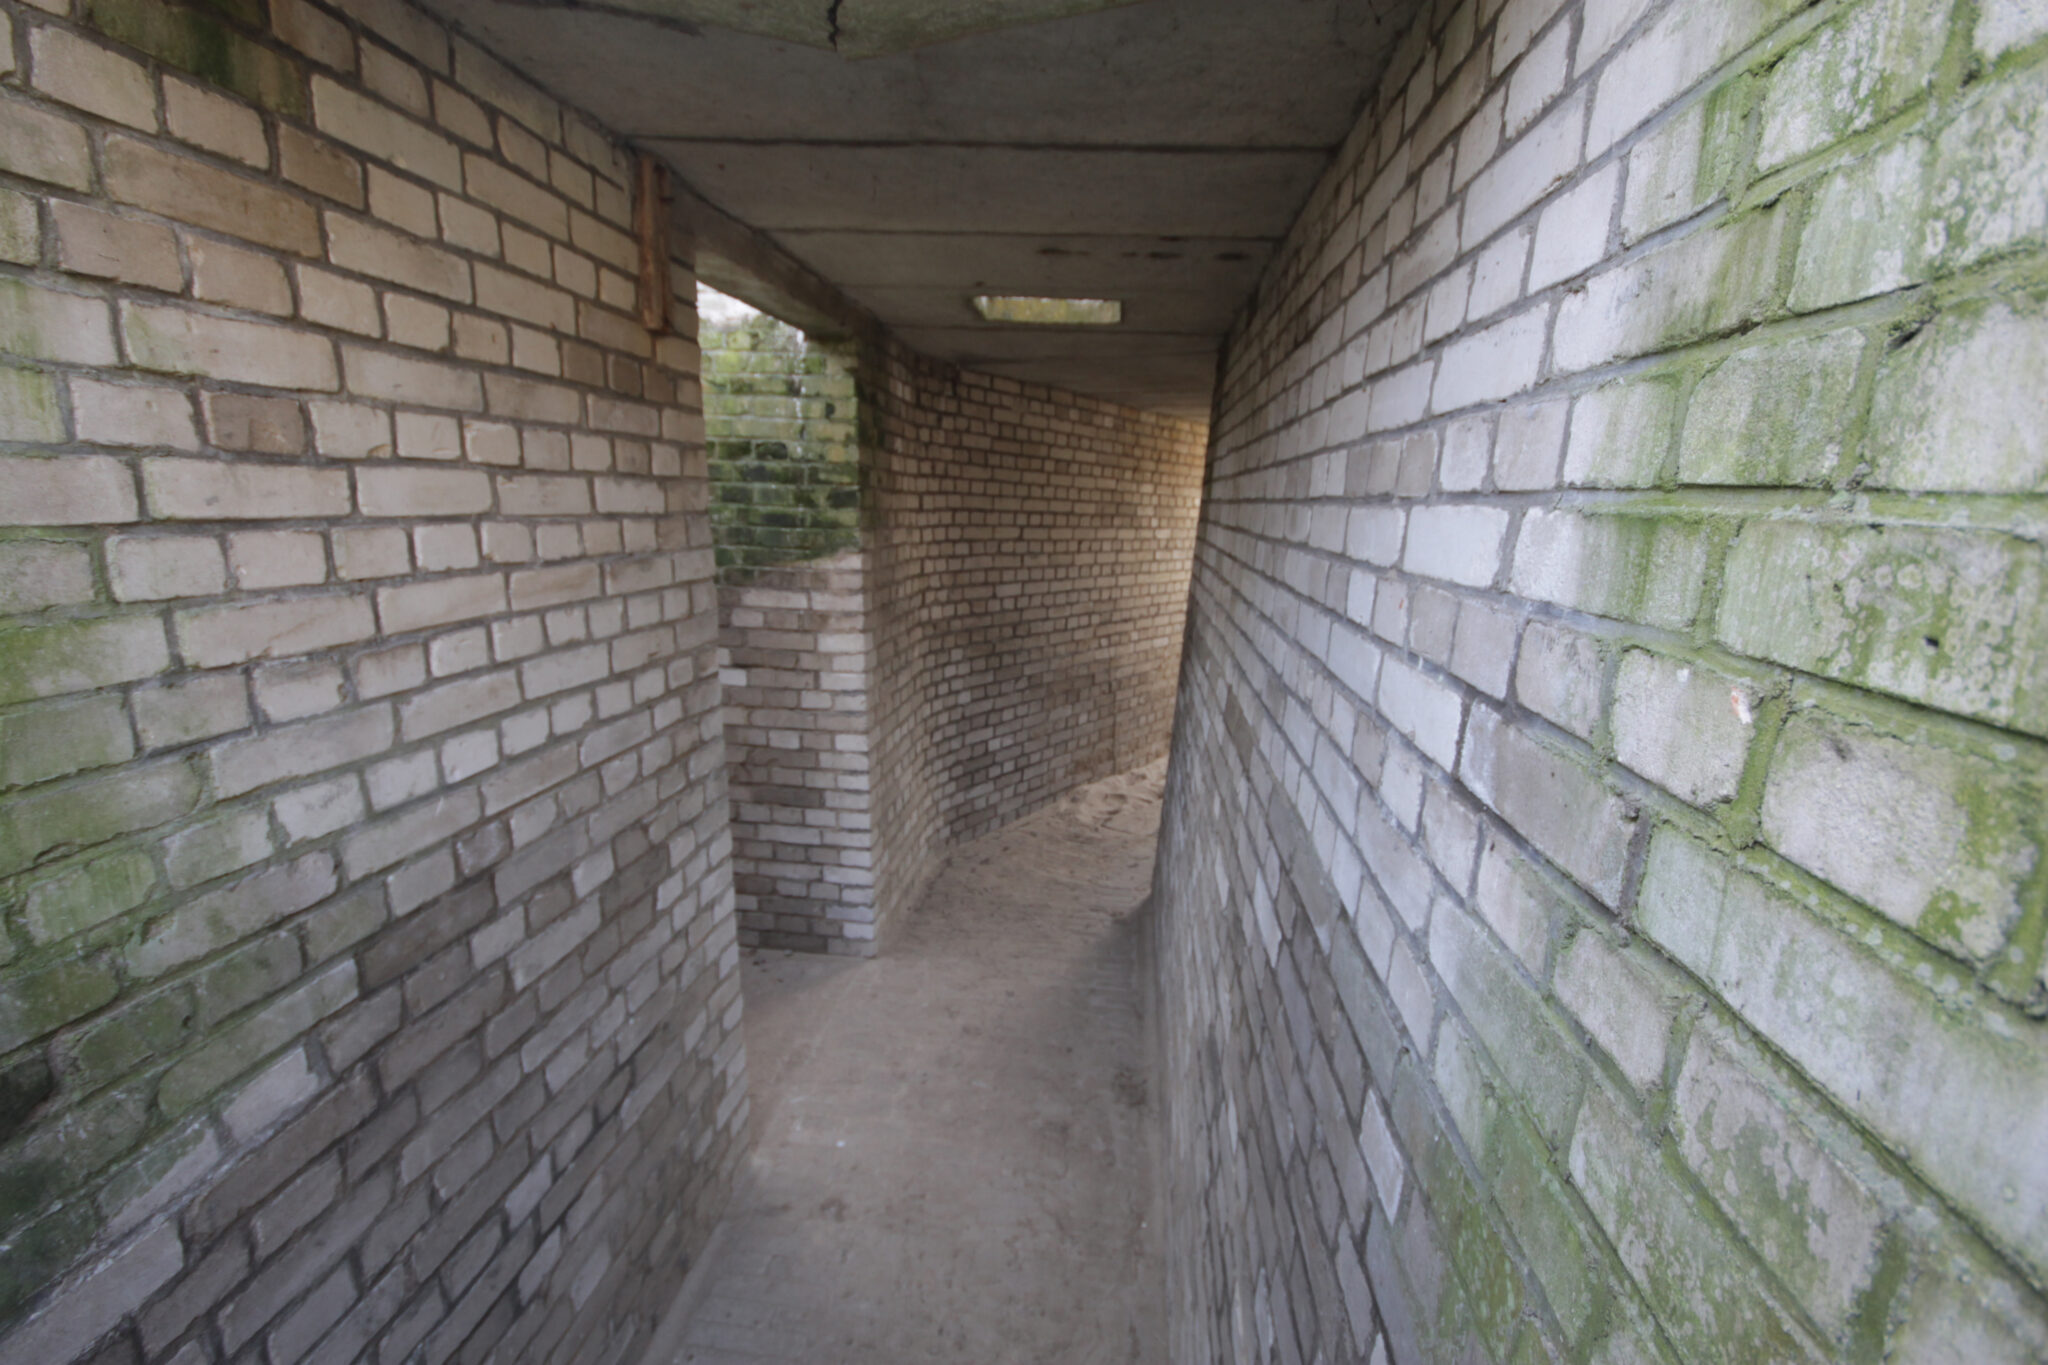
(1594, 885)
(358, 746)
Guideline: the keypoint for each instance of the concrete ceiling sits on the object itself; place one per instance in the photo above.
(917, 152)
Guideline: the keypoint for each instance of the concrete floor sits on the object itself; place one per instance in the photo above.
(955, 1139)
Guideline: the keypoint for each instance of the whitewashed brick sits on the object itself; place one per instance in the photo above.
(408, 491)
(216, 490)
(153, 568)
(65, 490)
(1619, 1005)
(277, 559)
(133, 415)
(238, 278)
(1497, 363)
(384, 132)
(179, 341)
(369, 249)
(48, 325)
(1571, 236)
(197, 115)
(93, 242)
(440, 602)
(1517, 181)
(1457, 544)
(213, 637)
(335, 301)
(90, 77)
(371, 552)
(401, 379)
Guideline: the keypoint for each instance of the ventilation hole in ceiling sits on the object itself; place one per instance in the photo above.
(1049, 312)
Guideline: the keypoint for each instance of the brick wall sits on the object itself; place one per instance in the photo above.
(1602, 892)
(1028, 568)
(370, 969)
(780, 429)
(793, 644)
(794, 655)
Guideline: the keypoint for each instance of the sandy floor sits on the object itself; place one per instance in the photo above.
(955, 1138)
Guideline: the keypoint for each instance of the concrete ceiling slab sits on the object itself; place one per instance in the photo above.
(1146, 150)
(855, 28)
(1002, 263)
(998, 189)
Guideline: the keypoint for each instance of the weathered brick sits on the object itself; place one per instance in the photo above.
(90, 77)
(212, 637)
(1951, 633)
(1940, 840)
(193, 192)
(91, 241)
(214, 490)
(65, 490)
(177, 341)
(48, 325)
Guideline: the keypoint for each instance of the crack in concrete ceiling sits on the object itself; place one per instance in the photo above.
(852, 28)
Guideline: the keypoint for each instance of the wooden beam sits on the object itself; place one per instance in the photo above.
(650, 220)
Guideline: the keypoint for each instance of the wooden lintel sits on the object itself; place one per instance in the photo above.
(650, 222)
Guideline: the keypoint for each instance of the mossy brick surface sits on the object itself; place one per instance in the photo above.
(1967, 381)
(1773, 416)
(1946, 618)
(196, 39)
(1898, 1059)
(1850, 74)
(237, 1049)
(1709, 1299)
(41, 999)
(1816, 1225)
(81, 814)
(1941, 840)
(28, 402)
(81, 897)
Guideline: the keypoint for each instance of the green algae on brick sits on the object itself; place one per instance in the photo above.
(79, 656)
(39, 1000)
(1940, 840)
(246, 975)
(241, 1047)
(129, 1037)
(1987, 189)
(1849, 75)
(1772, 416)
(1621, 433)
(1896, 1058)
(1709, 1301)
(24, 1085)
(78, 815)
(82, 897)
(1969, 380)
(63, 737)
(199, 43)
(1818, 1228)
(37, 1255)
(1950, 619)
(1631, 565)
(28, 404)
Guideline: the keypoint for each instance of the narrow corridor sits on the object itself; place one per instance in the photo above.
(954, 1139)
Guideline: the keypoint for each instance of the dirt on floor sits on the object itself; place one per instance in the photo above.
(955, 1139)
